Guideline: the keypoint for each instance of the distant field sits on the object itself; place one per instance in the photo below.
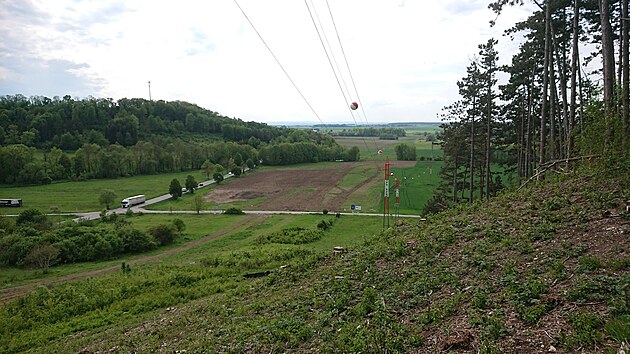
(416, 136)
(83, 196)
(311, 187)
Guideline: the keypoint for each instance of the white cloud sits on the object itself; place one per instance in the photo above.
(405, 56)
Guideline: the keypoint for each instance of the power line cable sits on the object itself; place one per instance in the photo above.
(349, 71)
(333, 69)
(280, 64)
(332, 53)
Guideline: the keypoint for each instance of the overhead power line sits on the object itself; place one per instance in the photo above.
(280, 64)
(328, 56)
(345, 98)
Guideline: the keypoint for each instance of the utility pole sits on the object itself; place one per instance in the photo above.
(150, 91)
(397, 204)
(386, 197)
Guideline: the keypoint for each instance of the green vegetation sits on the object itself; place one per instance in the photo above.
(369, 146)
(474, 276)
(33, 238)
(135, 292)
(380, 132)
(175, 189)
(417, 184)
(83, 196)
(405, 152)
(99, 138)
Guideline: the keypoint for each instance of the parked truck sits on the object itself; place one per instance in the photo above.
(16, 202)
(131, 201)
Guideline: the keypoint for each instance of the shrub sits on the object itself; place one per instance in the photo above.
(324, 225)
(179, 225)
(164, 234)
(233, 211)
(291, 235)
(135, 240)
(33, 217)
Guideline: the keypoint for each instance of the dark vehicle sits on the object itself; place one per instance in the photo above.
(10, 202)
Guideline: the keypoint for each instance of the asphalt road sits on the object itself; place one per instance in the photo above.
(140, 208)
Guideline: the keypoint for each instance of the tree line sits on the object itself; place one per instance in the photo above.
(112, 141)
(553, 107)
(383, 133)
(25, 165)
(67, 123)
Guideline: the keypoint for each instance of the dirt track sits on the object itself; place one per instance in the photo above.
(11, 293)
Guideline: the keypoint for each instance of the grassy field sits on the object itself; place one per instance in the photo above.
(416, 188)
(416, 185)
(553, 272)
(369, 147)
(212, 267)
(348, 231)
(83, 196)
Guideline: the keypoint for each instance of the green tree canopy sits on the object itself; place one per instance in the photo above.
(107, 198)
(175, 189)
(190, 184)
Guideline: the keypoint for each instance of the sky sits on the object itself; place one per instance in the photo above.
(404, 57)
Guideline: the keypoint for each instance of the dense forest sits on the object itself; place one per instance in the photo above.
(559, 104)
(102, 138)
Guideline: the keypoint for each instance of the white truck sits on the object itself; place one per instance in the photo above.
(131, 201)
(10, 202)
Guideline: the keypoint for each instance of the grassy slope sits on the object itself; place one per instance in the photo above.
(521, 273)
(214, 267)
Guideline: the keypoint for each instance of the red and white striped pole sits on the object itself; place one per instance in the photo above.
(386, 196)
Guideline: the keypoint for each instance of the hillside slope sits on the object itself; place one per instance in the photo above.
(546, 269)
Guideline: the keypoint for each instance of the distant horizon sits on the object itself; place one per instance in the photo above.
(251, 61)
(312, 123)
(270, 122)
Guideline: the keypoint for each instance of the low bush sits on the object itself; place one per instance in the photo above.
(292, 235)
(233, 211)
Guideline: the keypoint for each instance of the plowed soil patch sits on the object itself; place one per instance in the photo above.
(287, 189)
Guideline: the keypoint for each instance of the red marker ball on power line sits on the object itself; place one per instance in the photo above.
(354, 105)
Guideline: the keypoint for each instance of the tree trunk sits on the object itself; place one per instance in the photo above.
(543, 109)
(529, 149)
(472, 152)
(625, 79)
(563, 125)
(481, 181)
(608, 59)
(455, 181)
(553, 141)
(488, 133)
(521, 140)
(575, 63)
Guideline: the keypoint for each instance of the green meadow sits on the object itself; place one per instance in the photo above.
(82, 196)
(416, 185)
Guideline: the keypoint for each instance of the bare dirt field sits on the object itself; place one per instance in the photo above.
(295, 189)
